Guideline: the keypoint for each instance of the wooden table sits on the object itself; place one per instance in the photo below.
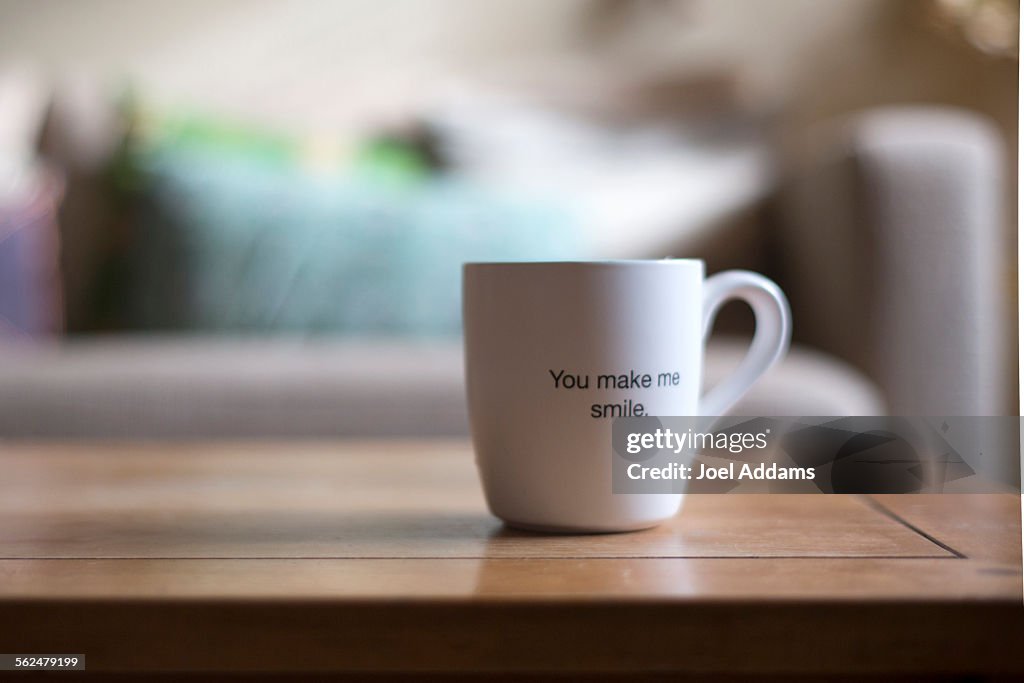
(313, 556)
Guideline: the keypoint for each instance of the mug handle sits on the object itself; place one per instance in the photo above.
(771, 337)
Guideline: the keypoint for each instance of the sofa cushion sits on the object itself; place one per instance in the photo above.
(195, 387)
(235, 230)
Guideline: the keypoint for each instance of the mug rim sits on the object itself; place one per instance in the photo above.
(589, 262)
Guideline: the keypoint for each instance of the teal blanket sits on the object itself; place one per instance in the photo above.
(229, 244)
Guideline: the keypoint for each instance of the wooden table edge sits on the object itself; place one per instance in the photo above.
(443, 635)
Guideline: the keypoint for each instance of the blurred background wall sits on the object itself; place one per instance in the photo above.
(281, 57)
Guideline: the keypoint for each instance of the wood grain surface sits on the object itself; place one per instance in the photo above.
(355, 556)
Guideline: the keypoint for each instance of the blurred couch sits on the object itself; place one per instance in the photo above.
(885, 230)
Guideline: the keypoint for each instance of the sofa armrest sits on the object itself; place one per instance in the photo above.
(895, 256)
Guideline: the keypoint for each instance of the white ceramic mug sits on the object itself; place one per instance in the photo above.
(555, 351)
